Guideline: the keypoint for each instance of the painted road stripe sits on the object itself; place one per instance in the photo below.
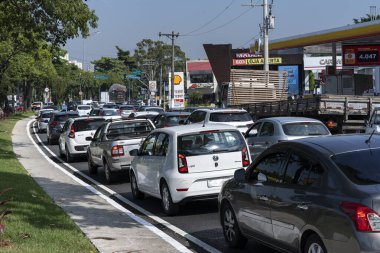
(173, 228)
(143, 222)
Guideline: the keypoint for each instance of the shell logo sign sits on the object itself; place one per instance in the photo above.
(177, 80)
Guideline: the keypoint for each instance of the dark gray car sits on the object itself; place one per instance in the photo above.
(309, 195)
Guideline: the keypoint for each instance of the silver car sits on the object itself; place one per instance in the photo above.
(266, 132)
(309, 195)
(111, 145)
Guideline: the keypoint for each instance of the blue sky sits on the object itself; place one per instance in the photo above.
(126, 22)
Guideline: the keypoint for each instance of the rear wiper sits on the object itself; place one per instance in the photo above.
(220, 150)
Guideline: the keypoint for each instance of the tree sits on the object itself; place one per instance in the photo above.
(367, 18)
(24, 24)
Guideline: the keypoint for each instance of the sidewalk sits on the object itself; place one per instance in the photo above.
(109, 227)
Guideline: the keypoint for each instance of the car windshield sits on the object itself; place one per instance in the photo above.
(210, 142)
(305, 129)
(64, 117)
(125, 129)
(84, 107)
(230, 116)
(361, 167)
(87, 124)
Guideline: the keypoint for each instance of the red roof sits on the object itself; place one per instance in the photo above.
(198, 66)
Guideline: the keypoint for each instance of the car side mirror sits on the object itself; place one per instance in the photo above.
(89, 138)
(261, 177)
(134, 152)
(239, 175)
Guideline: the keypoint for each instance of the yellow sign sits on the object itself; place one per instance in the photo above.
(255, 61)
(260, 61)
(177, 79)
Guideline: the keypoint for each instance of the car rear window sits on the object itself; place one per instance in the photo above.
(127, 107)
(109, 112)
(210, 142)
(361, 167)
(174, 120)
(230, 116)
(87, 124)
(127, 129)
(305, 129)
(84, 107)
(46, 115)
(154, 109)
(64, 117)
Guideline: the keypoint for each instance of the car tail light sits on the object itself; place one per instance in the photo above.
(166, 125)
(245, 157)
(182, 164)
(331, 124)
(117, 150)
(72, 132)
(54, 123)
(365, 219)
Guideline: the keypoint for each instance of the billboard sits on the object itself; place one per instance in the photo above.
(255, 61)
(293, 78)
(364, 55)
(179, 89)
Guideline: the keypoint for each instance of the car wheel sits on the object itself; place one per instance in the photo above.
(69, 158)
(110, 177)
(170, 208)
(231, 230)
(314, 244)
(61, 155)
(92, 169)
(136, 193)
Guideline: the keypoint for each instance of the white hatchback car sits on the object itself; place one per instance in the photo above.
(184, 163)
(84, 110)
(239, 118)
(72, 141)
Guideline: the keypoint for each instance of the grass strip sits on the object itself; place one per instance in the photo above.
(36, 224)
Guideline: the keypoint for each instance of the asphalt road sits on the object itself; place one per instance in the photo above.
(199, 219)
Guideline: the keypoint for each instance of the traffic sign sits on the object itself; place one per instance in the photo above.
(101, 77)
(137, 72)
(132, 77)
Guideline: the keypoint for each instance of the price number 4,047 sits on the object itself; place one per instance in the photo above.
(368, 56)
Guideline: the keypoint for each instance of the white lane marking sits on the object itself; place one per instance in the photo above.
(143, 222)
(175, 229)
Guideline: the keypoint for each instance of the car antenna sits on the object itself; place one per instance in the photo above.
(368, 141)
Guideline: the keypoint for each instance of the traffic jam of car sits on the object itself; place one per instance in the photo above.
(284, 182)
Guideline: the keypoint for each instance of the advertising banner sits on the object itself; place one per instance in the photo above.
(179, 89)
(364, 55)
(255, 61)
(292, 78)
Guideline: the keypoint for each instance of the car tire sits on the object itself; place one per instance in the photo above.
(69, 157)
(110, 177)
(170, 208)
(314, 244)
(136, 193)
(231, 230)
(92, 168)
(61, 155)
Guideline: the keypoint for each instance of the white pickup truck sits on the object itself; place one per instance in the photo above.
(111, 145)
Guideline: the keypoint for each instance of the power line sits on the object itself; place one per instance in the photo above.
(221, 26)
(254, 37)
(209, 22)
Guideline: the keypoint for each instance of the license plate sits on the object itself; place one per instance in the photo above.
(216, 182)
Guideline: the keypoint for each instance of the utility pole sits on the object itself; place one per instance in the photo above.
(268, 23)
(171, 36)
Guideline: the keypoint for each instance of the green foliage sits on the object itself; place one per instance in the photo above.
(367, 18)
(3, 212)
(195, 97)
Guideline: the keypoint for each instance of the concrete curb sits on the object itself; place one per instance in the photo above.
(109, 227)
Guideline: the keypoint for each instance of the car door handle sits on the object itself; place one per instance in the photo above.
(302, 206)
(263, 197)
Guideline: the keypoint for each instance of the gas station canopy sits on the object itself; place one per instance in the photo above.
(367, 33)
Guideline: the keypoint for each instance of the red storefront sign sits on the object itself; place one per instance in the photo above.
(366, 55)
